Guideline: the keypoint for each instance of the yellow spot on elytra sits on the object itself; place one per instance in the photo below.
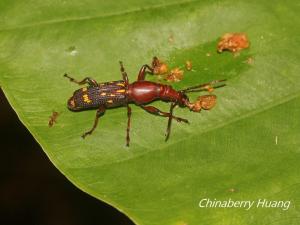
(121, 84)
(112, 95)
(84, 89)
(86, 99)
(121, 91)
(110, 101)
(103, 94)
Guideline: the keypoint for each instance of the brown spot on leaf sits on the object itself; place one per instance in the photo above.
(52, 118)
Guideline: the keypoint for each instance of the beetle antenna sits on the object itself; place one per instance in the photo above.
(203, 87)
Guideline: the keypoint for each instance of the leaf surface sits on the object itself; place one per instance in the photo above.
(246, 148)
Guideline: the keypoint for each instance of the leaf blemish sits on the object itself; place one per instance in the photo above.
(232, 190)
(72, 50)
(52, 118)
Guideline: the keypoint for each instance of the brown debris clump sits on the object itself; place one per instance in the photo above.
(233, 42)
(175, 75)
(203, 102)
(159, 67)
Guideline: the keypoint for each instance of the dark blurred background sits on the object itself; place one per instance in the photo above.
(33, 191)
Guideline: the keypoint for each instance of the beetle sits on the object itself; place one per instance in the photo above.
(102, 96)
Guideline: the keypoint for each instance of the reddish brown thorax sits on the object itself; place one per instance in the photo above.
(144, 92)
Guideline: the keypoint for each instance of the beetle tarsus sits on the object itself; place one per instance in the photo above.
(85, 134)
(87, 80)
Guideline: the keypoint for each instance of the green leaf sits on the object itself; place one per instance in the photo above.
(246, 148)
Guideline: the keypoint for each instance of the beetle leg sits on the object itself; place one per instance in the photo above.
(156, 111)
(124, 74)
(143, 72)
(168, 131)
(100, 111)
(128, 125)
(86, 80)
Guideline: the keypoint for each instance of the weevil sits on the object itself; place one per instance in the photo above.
(102, 96)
